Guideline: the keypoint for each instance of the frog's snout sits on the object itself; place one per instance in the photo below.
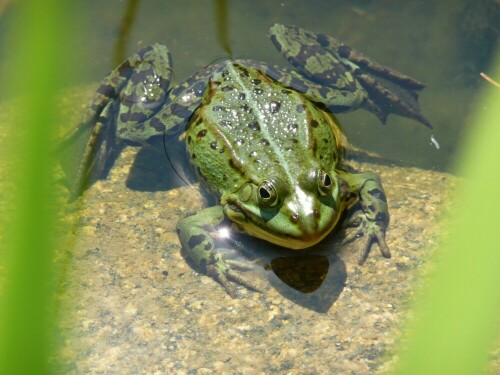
(307, 223)
(309, 227)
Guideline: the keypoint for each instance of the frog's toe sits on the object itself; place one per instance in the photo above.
(240, 265)
(370, 232)
(227, 272)
(378, 237)
(238, 278)
(356, 231)
(220, 276)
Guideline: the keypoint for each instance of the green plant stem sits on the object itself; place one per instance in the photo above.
(27, 325)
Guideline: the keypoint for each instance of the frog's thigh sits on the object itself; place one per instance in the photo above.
(194, 234)
(346, 95)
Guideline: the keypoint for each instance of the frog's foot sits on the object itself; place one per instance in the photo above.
(227, 272)
(198, 235)
(370, 232)
(339, 68)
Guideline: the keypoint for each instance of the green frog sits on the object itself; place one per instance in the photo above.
(262, 138)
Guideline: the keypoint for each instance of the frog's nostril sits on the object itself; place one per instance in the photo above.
(294, 217)
(316, 213)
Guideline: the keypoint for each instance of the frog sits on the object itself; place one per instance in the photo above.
(262, 138)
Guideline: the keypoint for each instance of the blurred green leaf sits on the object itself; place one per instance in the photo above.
(457, 315)
(30, 215)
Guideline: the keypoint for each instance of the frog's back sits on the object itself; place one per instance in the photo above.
(250, 127)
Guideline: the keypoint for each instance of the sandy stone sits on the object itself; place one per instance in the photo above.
(134, 305)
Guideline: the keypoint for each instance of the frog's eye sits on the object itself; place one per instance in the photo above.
(325, 183)
(268, 197)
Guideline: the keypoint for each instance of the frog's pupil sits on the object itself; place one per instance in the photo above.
(264, 194)
(328, 180)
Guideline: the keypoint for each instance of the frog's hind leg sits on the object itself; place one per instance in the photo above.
(132, 104)
(361, 81)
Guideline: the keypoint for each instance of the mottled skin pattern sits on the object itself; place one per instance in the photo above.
(262, 138)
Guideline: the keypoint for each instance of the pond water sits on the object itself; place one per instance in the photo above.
(444, 44)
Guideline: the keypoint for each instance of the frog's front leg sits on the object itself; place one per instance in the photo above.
(337, 67)
(369, 215)
(197, 234)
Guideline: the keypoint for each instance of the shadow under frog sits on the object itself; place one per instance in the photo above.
(313, 279)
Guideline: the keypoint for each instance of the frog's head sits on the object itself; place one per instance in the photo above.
(295, 216)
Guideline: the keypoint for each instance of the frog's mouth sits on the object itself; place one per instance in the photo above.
(296, 236)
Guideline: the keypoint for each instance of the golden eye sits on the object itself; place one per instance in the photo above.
(268, 197)
(325, 183)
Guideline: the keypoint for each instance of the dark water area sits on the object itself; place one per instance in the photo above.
(444, 44)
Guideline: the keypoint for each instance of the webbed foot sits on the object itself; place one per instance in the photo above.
(369, 216)
(199, 236)
(367, 232)
(227, 272)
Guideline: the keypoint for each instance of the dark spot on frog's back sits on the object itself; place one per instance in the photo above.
(379, 194)
(213, 145)
(124, 69)
(322, 40)
(274, 107)
(300, 108)
(297, 84)
(157, 125)
(135, 117)
(196, 240)
(107, 90)
(275, 42)
(324, 91)
(198, 121)
(182, 111)
(314, 123)
(320, 105)
(243, 70)
(258, 91)
(313, 145)
(201, 133)
(233, 165)
(344, 51)
(254, 125)
(227, 88)
(256, 81)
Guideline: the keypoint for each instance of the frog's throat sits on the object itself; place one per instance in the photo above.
(299, 242)
(285, 241)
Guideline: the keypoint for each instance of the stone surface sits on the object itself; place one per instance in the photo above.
(132, 304)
